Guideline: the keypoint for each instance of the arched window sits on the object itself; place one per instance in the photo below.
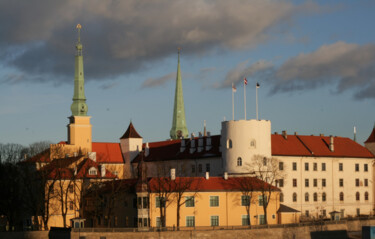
(306, 197)
(324, 197)
(253, 143)
(281, 197)
(366, 196)
(357, 196)
(239, 161)
(315, 197)
(341, 196)
(294, 197)
(229, 144)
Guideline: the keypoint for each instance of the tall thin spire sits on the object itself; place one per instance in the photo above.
(179, 128)
(79, 106)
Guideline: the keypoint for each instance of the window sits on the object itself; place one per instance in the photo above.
(358, 211)
(252, 144)
(239, 161)
(366, 182)
(306, 166)
(190, 221)
(260, 199)
(264, 161)
(281, 182)
(315, 167)
(145, 202)
(357, 196)
(306, 182)
(342, 211)
(294, 166)
(315, 182)
(208, 167)
(189, 201)
(92, 171)
(158, 222)
(306, 197)
(315, 197)
(71, 189)
(324, 197)
(366, 196)
(294, 182)
(365, 167)
(159, 202)
(323, 166)
(341, 167)
(324, 213)
(199, 168)
(323, 182)
(214, 221)
(357, 182)
(262, 220)
(192, 168)
(307, 213)
(245, 220)
(341, 196)
(357, 167)
(245, 200)
(294, 197)
(281, 165)
(281, 197)
(214, 201)
(229, 144)
(71, 205)
(341, 182)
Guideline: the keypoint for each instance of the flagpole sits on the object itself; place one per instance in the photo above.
(256, 101)
(232, 102)
(244, 98)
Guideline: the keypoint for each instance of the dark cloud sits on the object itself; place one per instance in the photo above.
(120, 37)
(153, 82)
(347, 66)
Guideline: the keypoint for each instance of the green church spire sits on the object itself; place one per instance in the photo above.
(79, 107)
(179, 128)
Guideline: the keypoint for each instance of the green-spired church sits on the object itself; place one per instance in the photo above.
(179, 129)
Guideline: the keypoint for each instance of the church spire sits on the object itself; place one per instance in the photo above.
(179, 128)
(79, 107)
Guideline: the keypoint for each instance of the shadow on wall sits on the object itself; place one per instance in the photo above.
(339, 234)
(59, 233)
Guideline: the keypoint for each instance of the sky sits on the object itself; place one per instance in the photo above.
(314, 61)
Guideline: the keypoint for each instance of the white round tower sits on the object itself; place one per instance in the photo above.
(242, 140)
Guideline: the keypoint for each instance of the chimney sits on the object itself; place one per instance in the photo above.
(226, 175)
(295, 133)
(204, 130)
(284, 134)
(207, 175)
(321, 135)
(102, 170)
(92, 156)
(147, 150)
(173, 173)
(183, 143)
(331, 145)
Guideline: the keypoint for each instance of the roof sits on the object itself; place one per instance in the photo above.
(130, 132)
(302, 145)
(212, 184)
(371, 138)
(172, 150)
(283, 208)
(112, 185)
(107, 152)
(43, 157)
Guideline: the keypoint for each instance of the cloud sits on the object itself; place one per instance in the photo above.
(109, 85)
(122, 37)
(347, 66)
(154, 82)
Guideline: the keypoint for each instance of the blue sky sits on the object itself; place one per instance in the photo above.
(314, 60)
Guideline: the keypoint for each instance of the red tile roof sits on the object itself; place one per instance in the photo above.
(107, 152)
(131, 132)
(371, 138)
(301, 145)
(212, 184)
(43, 157)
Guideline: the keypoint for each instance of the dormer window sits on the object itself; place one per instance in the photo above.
(93, 171)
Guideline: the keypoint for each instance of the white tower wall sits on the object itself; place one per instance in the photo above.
(244, 139)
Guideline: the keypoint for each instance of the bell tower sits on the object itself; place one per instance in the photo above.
(79, 128)
(179, 128)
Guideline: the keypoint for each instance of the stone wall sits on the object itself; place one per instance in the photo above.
(287, 231)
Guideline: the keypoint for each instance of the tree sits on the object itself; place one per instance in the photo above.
(267, 170)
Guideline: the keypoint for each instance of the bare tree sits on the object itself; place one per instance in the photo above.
(267, 170)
